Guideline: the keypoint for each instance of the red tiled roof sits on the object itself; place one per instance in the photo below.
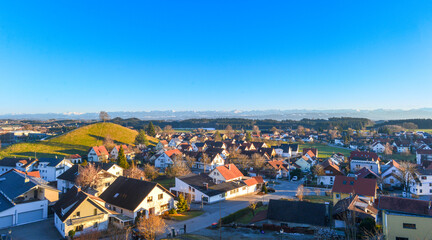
(364, 172)
(360, 154)
(164, 142)
(100, 150)
(229, 171)
(173, 151)
(310, 153)
(24, 162)
(361, 186)
(330, 165)
(277, 164)
(74, 156)
(254, 181)
(313, 150)
(32, 174)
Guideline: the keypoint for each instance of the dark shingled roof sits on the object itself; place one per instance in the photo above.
(197, 181)
(51, 161)
(11, 162)
(298, 212)
(128, 193)
(405, 205)
(74, 197)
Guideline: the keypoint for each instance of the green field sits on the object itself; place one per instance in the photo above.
(423, 130)
(325, 151)
(77, 141)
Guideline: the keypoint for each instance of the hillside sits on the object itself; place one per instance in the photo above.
(76, 141)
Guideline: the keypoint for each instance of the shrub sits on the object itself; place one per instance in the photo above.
(236, 215)
(172, 211)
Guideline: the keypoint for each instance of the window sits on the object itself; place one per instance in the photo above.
(421, 190)
(79, 228)
(160, 196)
(78, 214)
(423, 177)
(337, 195)
(95, 211)
(95, 225)
(409, 225)
(150, 199)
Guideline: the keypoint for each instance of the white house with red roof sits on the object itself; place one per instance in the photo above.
(165, 159)
(226, 173)
(74, 158)
(97, 154)
(391, 175)
(130, 155)
(369, 160)
(331, 170)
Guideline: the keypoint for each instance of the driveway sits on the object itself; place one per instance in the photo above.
(213, 212)
(43, 230)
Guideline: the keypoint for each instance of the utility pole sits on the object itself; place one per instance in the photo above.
(220, 220)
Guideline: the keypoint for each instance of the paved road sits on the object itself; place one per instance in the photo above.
(42, 230)
(214, 211)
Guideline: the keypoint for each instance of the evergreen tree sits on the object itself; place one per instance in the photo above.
(248, 137)
(182, 204)
(151, 130)
(217, 136)
(121, 159)
(141, 138)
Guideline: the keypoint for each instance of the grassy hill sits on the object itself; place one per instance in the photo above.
(76, 141)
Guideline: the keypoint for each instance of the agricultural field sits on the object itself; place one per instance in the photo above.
(325, 151)
(77, 141)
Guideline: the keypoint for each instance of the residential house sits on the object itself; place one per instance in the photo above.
(202, 188)
(129, 153)
(22, 164)
(276, 169)
(424, 157)
(24, 198)
(199, 146)
(215, 160)
(107, 172)
(287, 150)
(402, 146)
(80, 212)
(51, 168)
(357, 206)
(405, 218)
(226, 173)
(74, 158)
(165, 159)
(391, 174)
(359, 160)
(97, 154)
(174, 142)
(331, 170)
(421, 184)
(311, 152)
(132, 197)
(163, 144)
(378, 147)
(344, 187)
(304, 163)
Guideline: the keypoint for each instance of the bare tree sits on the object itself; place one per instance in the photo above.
(108, 142)
(252, 206)
(300, 192)
(88, 176)
(229, 131)
(300, 129)
(319, 170)
(255, 130)
(407, 172)
(388, 150)
(274, 130)
(242, 161)
(150, 171)
(190, 161)
(103, 116)
(205, 160)
(168, 129)
(150, 227)
(135, 172)
(258, 161)
(177, 169)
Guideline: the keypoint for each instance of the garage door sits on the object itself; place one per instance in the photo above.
(30, 216)
(6, 221)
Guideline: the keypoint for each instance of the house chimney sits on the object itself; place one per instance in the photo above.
(229, 166)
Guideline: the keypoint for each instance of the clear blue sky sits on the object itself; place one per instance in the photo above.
(87, 56)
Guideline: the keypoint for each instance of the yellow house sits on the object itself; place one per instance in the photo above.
(344, 187)
(405, 219)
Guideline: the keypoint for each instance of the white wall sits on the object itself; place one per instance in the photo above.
(26, 207)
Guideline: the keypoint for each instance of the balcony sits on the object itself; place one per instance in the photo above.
(74, 221)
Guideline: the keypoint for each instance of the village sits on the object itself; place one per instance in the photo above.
(229, 183)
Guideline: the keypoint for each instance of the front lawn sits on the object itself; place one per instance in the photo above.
(165, 181)
(186, 215)
(245, 219)
(317, 199)
(325, 151)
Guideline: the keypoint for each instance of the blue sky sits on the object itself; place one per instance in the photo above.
(87, 56)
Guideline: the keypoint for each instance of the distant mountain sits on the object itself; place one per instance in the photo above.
(377, 114)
